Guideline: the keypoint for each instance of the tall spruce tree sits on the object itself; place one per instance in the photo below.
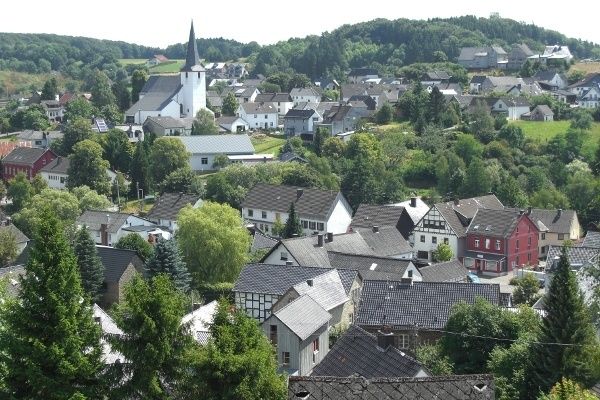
(167, 259)
(139, 170)
(567, 321)
(90, 266)
(50, 344)
(292, 225)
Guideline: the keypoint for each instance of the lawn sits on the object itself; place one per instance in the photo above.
(167, 67)
(588, 68)
(267, 144)
(132, 61)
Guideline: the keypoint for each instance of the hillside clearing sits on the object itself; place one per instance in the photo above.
(267, 144)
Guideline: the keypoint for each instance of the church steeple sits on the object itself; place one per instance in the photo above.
(192, 59)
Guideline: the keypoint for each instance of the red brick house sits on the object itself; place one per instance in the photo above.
(499, 241)
(27, 160)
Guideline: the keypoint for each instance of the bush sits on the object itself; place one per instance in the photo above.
(214, 291)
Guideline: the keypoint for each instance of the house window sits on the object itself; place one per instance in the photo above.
(271, 123)
(250, 212)
(284, 256)
(434, 239)
(422, 238)
(517, 229)
(312, 225)
(529, 241)
(204, 160)
(528, 257)
(320, 226)
(255, 115)
(273, 334)
(403, 341)
(315, 347)
(476, 242)
(285, 358)
(487, 243)
(264, 215)
(517, 247)
(543, 236)
(446, 241)
(517, 260)
(266, 116)
(497, 245)
(561, 236)
(304, 224)
(410, 273)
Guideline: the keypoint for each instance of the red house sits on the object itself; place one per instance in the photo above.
(27, 160)
(499, 241)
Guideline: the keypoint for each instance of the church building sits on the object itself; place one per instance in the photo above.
(175, 95)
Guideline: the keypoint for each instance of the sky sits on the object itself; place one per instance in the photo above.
(159, 24)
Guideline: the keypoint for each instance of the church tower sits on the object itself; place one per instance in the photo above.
(193, 80)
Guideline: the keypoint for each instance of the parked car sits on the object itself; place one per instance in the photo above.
(473, 278)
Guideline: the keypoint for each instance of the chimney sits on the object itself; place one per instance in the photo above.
(299, 193)
(413, 201)
(559, 212)
(385, 337)
(375, 229)
(320, 240)
(309, 282)
(289, 263)
(58, 159)
(330, 237)
(456, 201)
(529, 210)
(103, 234)
(521, 212)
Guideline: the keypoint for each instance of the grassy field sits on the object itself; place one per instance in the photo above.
(131, 61)
(266, 144)
(588, 68)
(170, 66)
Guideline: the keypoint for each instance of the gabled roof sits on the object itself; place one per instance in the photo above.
(448, 271)
(168, 205)
(273, 98)
(218, 144)
(326, 289)
(25, 155)
(437, 75)
(167, 122)
(446, 387)
(60, 165)
(258, 108)
(468, 53)
(151, 102)
(370, 267)
(291, 156)
(303, 316)
(386, 241)
(522, 48)
(578, 256)
(301, 114)
(166, 84)
(466, 209)
(200, 320)
(496, 223)
(277, 279)
(109, 328)
(336, 113)
(116, 261)
(307, 201)
(362, 71)
(477, 79)
(19, 236)
(94, 219)
(543, 109)
(369, 215)
(304, 92)
(260, 241)
(592, 239)
(559, 221)
(356, 353)
(38, 135)
(424, 305)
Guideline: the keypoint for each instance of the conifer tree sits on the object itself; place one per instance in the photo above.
(50, 344)
(292, 225)
(91, 269)
(139, 170)
(167, 259)
(566, 322)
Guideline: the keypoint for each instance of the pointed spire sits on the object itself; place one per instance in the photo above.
(192, 57)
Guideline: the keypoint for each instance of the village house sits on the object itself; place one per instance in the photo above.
(243, 94)
(319, 211)
(204, 148)
(168, 126)
(590, 98)
(369, 215)
(510, 85)
(341, 119)
(512, 108)
(120, 266)
(482, 57)
(375, 268)
(300, 123)
(500, 241)
(556, 227)
(551, 80)
(39, 139)
(56, 173)
(447, 223)
(581, 259)
(359, 75)
(308, 95)
(167, 208)
(413, 313)
(360, 353)
(232, 124)
(519, 54)
(281, 101)
(446, 271)
(107, 227)
(54, 110)
(156, 59)
(541, 112)
(258, 115)
(585, 84)
(27, 160)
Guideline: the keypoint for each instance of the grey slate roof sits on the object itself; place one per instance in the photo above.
(291, 156)
(301, 114)
(448, 271)
(554, 220)
(166, 84)
(303, 316)
(151, 102)
(356, 353)
(192, 58)
(273, 98)
(312, 202)
(326, 289)
(387, 241)
(466, 209)
(116, 261)
(167, 122)
(497, 223)
(16, 232)
(93, 219)
(60, 165)
(218, 144)
(592, 239)
(543, 109)
(168, 205)
(449, 387)
(261, 241)
(304, 92)
(38, 135)
(578, 256)
(369, 215)
(277, 279)
(258, 108)
(477, 79)
(422, 304)
(365, 263)
(24, 155)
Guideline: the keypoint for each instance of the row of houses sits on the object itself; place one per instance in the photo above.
(495, 57)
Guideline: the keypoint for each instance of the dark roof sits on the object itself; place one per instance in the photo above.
(291, 156)
(336, 113)
(24, 155)
(13, 276)
(116, 261)
(592, 239)
(386, 241)
(596, 390)
(303, 316)
(547, 75)
(168, 205)
(578, 256)
(448, 387)
(543, 109)
(277, 279)
(422, 304)
(303, 114)
(458, 214)
(308, 202)
(191, 59)
(558, 221)
(94, 219)
(448, 271)
(16, 232)
(273, 98)
(369, 215)
(478, 79)
(167, 84)
(60, 165)
(497, 223)
(435, 75)
(370, 267)
(166, 122)
(151, 102)
(261, 241)
(357, 353)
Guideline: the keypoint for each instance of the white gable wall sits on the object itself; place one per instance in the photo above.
(340, 218)
(170, 110)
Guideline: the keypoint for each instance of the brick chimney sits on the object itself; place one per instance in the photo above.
(320, 240)
(330, 237)
(375, 229)
(104, 234)
(413, 202)
(299, 193)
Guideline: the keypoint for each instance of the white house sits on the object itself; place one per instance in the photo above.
(181, 95)
(204, 148)
(281, 101)
(55, 173)
(258, 115)
(319, 211)
(308, 95)
(232, 124)
(106, 227)
(590, 98)
(167, 207)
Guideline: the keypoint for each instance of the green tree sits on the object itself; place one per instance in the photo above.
(321, 135)
(35, 118)
(38, 184)
(549, 198)
(482, 123)
(122, 95)
(566, 321)
(155, 343)
(436, 106)
(139, 170)
(90, 266)
(19, 191)
(214, 242)
(50, 342)
(102, 94)
(135, 242)
(467, 148)
(509, 192)
(89, 199)
(278, 227)
(477, 179)
(238, 363)
(432, 358)
(179, 180)
(8, 247)
(567, 389)
(513, 135)
(384, 114)
(117, 150)
(77, 130)
(526, 291)
(230, 104)
(221, 161)
(50, 89)
(166, 259)
(87, 167)
(204, 124)
(581, 120)
(443, 252)
(138, 80)
(78, 108)
(292, 227)
(168, 154)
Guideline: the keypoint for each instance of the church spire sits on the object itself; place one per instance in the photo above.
(192, 57)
